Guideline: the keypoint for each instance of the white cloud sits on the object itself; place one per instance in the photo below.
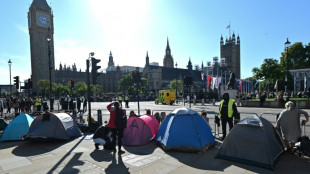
(23, 29)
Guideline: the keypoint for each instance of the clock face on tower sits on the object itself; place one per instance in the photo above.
(43, 20)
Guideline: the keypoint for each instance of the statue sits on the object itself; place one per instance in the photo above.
(231, 83)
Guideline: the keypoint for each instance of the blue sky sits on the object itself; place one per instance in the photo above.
(131, 28)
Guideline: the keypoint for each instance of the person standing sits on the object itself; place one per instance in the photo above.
(288, 122)
(78, 102)
(120, 100)
(1, 107)
(227, 109)
(52, 99)
(38, 103)
(84, 104)
(116, 130)
(127, 101)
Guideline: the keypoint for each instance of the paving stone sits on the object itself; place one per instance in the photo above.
(14, 162)
(139, 160)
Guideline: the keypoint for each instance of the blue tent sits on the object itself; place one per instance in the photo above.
(17, 128)
(185, 130)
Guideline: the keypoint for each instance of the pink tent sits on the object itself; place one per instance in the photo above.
(140, 130)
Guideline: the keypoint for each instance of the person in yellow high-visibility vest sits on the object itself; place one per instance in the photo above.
(38, 103)
(228, 110)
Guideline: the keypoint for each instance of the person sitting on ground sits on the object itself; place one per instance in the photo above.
(100, 136)
(132, 114)
(288, 122)
(156, 115)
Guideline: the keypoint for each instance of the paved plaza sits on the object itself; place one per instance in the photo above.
(80, 156)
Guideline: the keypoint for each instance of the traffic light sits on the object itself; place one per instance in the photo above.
(72, 84)
(16, 82)
(29, 83)
(94, 69)
(136, 77)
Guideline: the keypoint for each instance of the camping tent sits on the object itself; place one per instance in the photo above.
(17, 128)
(54, 126)
(185, 130)
(140, 130)
(3, 124)
(254, 141)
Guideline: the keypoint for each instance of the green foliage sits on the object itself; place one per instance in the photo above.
(126, 85)
(80, 88)
(176, 84)
(96, 89)
(297, 58)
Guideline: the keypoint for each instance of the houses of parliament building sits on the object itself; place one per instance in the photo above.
(41, 32)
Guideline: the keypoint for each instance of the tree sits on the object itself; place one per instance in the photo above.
(297, 57)
(176, 85)
(126, 84)
(80, 88)
(44, 86)
(270, 71)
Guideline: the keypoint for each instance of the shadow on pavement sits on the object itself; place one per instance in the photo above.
(30, 148)
(102, 155)
(117, 167)
(287, 163)
(9, 144)
(141, 150)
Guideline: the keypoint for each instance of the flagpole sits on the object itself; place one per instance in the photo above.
(229, 28)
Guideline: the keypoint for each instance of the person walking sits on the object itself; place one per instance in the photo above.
(78, 102)
(227, 109)
(117, 130)
(288, 122)
(52, 99)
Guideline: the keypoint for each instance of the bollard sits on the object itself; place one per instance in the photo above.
(99, 117)
(213, 101)
(203, 102)
(74, 114)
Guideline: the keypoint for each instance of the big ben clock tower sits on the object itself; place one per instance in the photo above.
(41, 31)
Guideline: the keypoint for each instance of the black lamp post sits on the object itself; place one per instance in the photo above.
(88, 87)
(10, 63)
(176, 80)
(49, 59)
(287, 45)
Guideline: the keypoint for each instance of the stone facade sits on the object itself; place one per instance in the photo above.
(41, 27)
(300, 76)
(230, 50)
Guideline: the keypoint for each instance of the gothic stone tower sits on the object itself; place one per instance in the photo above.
(110, 63)
(230, 50)
(168, 60)
(41, 27)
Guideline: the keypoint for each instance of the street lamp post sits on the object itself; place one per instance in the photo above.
(287, 45)
(49, 60)
(176, 84)
(88, 87)
(10, 63)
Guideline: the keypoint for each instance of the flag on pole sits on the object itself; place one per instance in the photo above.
(209, 81)
(228, 26)
(276, 85)
(267, 84)
(256, 84)
(305, 83)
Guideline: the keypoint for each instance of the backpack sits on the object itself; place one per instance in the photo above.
(120, 119)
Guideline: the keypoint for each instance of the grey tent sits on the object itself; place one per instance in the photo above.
(54, 126)
(253, 141)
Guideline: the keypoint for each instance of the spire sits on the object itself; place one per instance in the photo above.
(201, 65)
(222, 42)
(147, 60)
(167, 42)
(111, 63)
(189, 65)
